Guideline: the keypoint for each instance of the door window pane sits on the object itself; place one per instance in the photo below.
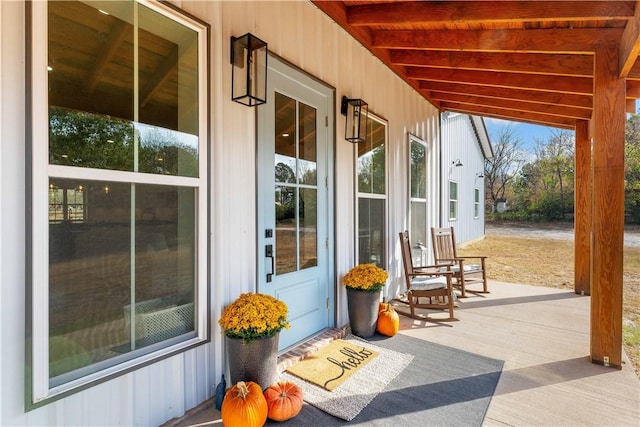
(286, 230)
(308, 228)
(296, 202)
(307, 145)
(285, 139)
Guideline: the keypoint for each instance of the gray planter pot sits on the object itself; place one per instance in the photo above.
(255, 361)
(363, 312)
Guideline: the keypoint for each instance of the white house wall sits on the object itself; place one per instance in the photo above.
(299, 33)
(459, 141)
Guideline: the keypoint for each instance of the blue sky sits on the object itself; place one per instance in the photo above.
(526, 132)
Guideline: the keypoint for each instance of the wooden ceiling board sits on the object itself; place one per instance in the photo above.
(530, 61)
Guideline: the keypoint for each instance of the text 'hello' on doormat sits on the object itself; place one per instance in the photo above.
(333, 364)
(361, 387)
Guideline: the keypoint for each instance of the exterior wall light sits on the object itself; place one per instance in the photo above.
(248, 70)
(357, 112)
(480, 175)
(457, 163)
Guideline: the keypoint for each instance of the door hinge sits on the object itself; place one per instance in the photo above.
(326, 121)
(326, 182)
(327, 303)
(326, 243)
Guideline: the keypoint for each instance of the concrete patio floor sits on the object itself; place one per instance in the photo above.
(542, 335)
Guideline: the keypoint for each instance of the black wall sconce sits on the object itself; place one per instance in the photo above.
(248, 70)
(357, 112)
(457, 163)
(479, 175)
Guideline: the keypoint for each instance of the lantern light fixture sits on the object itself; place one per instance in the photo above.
(248, 70)
(457, 163)
(357, 112)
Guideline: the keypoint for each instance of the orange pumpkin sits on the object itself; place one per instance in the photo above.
(244, 405)
(284, 400)
(388, 321)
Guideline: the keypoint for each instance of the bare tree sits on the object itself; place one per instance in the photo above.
(501, 169)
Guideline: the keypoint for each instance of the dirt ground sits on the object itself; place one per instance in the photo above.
(548, 261)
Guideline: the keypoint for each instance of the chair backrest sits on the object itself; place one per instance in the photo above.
(444, 245)
(407, 261)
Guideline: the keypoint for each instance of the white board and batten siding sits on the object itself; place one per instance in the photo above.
(300, 34)
(464, 138)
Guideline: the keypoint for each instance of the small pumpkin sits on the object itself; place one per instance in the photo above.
(388, 321)
(284, 400)
(244, 405)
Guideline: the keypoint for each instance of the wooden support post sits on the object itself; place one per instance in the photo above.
(582, 210)
(607, 222)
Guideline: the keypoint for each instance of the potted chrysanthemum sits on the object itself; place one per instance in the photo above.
(364, 283)
(251, 325)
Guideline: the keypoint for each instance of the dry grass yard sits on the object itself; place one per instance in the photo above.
(546, 259)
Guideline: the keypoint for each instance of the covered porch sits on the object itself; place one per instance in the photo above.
(542, 335)
(565, 64)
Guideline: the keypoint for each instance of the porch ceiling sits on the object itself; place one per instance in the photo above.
(528, 61)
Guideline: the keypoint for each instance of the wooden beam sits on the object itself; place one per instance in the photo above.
(575, 85)
(161, 74)
(466, 12)
(582, 209)
(607, 209)
(570, 40)
(116, 37)
(535, 118)
(630, 43)
(535, 63)
(566, 99)
(514, 105)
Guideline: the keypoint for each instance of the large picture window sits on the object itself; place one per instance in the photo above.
(119, 189)
(372, 194)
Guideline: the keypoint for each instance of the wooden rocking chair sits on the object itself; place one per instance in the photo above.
(464, 272)
(427, 282)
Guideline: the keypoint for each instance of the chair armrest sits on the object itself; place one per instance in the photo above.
(430, 273)
(472, 257)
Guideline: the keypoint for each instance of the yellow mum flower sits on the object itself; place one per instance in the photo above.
(254, 316)
(365, 277)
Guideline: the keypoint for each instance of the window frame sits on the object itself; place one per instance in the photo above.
(373, 196)
(40, 170)
(476, 203)
(453, 202)
(421, 258)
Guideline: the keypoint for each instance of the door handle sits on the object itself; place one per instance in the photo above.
(268, 253)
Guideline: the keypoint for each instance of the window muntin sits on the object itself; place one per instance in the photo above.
(476, 202)
(115, 241)
(372, 197)
(453, 200)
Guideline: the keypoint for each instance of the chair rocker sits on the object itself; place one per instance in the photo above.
(465, 272)
(426, 283)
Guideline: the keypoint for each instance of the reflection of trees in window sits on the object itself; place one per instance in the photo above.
(83, 139)
(284, 173)
(418, 170)
(89, 140)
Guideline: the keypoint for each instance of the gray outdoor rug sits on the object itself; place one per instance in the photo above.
(441, 386)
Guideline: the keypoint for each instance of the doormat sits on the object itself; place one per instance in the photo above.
(333, 364)
(361, 387)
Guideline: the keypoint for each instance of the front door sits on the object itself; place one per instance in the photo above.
(293, 184)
